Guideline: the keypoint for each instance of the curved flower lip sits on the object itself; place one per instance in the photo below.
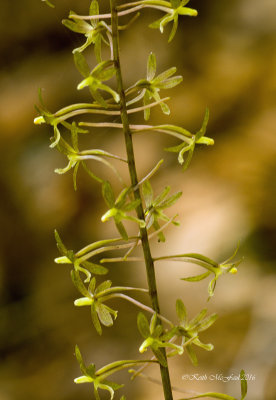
(179, 349)
(39, 120)
(187, 11)
(85, 82)
(206, 140)
(144, 346)
(83, 379)
(109, 214)
(62, 260)
(83, 301)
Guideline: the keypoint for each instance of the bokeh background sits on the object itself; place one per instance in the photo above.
(228, 60)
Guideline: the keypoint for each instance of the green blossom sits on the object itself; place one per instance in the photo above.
(191, 329)
(84, 266)
(94, 297)
(155, 338)
(177, 7)
(154, 207)
(94, 30)
(119, 208)
(212, 267)
(189, 141)
(152, 85)
(94, 79)
(97, 378)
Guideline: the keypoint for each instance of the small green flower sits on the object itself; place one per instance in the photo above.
(77, 157)
(94, 30)
(68, 257)
(119, 208)
(189, 141)
(155, 338)
(212, 267)
(152, 85)
(191, 329)
(71, 152)
(46, 117)
(177, 8)
(94, 297)
(154, 207)
(97, 378)
(93, 80)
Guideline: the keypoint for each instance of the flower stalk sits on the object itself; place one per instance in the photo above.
(134, 182)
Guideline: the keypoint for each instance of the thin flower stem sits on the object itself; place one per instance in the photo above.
(126, 26)
(131, 249)
(162, 227)
(137, 128)
(121, 13)
(190, 258)
(137, 98)
(136, 3)
(134, 181)
(160, 130)
(110, 44)
(78, 106)
(134, 110)
(90, 250)
(102, 124)
(104, 153)
(187, 260)
(138, 304)
(151, 173)
(91, 17)
(121, 259)
(93, 246)
(87, 111)
(102, 160)
(133, 89)
(140, 7)
(103, 249)
(90, 173)
(118, 289)
(137, 372)
(193, 256)
(104, 372)
(106, 112)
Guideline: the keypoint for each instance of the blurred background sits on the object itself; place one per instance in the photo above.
(227, 58)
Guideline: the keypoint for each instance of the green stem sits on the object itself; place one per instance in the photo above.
(138, 304)
(134, 181)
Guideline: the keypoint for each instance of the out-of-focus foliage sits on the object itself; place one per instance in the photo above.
(228, 63)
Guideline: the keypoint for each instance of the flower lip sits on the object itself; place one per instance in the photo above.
(39, 120)
(83, 379)
(83, 301)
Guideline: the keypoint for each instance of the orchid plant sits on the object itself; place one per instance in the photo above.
(161, 337)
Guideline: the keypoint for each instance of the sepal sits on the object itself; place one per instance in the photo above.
(154, 207)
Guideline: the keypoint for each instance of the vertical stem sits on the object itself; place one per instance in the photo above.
(134, 181)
